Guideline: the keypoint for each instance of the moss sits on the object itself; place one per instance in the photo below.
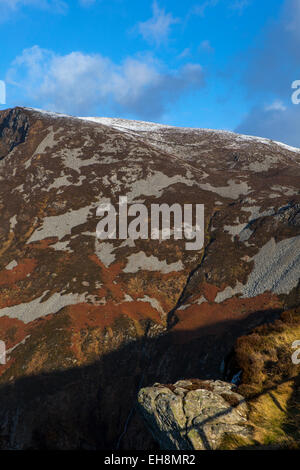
(231, 399)
(235, 442)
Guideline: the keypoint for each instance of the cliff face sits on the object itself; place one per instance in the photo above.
(87, 323)
(13, 130)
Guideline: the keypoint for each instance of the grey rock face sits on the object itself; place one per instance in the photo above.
(13, 130)
(193, 415)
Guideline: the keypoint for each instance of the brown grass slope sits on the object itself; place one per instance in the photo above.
(270, 383)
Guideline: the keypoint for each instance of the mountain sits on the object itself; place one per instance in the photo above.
(88, 322)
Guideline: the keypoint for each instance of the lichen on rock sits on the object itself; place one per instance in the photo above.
(194, 414)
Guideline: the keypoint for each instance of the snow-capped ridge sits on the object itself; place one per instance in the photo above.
(144, 126)
(131, 125)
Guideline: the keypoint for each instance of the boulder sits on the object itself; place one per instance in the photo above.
(194, 415)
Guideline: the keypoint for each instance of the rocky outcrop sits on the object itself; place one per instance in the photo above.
(14, 125)
(194, 414)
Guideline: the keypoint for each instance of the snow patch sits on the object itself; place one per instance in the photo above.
(11, 265)
(60, 225)
(30, 311)
(140, 261)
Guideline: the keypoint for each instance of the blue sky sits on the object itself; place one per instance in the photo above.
(225, 64)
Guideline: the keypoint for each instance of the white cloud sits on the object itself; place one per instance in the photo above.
(240, 5)
(276, 106)
(206, 46)
(13, 4)
(201, 9)
(80, 83)
(8, 6)
(185, 53)
(157, 29)
(87, 3)
(235, 5)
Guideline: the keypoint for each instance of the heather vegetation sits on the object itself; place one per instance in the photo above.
(270, 383)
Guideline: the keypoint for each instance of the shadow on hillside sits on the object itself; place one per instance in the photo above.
(94, 406)
(292, 425)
